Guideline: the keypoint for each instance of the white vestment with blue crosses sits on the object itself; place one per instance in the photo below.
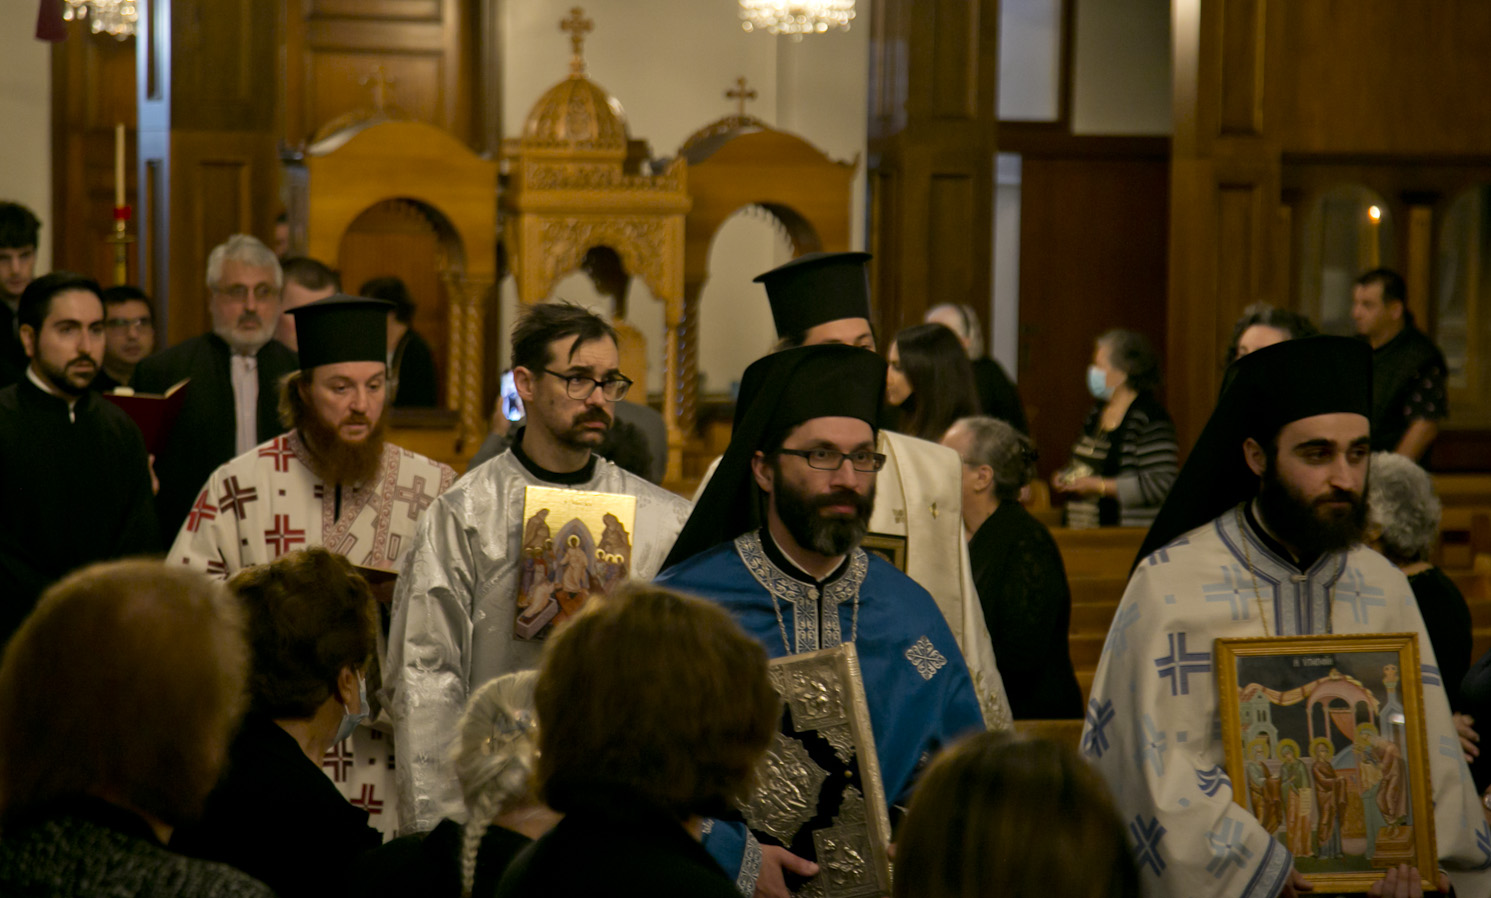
(1154, 733)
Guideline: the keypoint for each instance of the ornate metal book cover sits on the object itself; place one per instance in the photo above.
(818, 790)
(575, 544)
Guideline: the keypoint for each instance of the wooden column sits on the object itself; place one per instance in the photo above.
(1224, 195)
(932, 138)
(209, 168)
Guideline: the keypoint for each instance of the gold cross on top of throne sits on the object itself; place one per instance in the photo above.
(578, 26)
(741, 95)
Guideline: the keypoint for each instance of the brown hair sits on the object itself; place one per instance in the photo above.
(309, 614)
(126, 683)
(542, 323)
(997, 815)
(657, 692)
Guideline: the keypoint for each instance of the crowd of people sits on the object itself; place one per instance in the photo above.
(319, 670)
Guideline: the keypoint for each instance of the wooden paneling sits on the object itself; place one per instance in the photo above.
(1383, 76)
(93, 86)
(934, 68)
(1242, 67)
(1092, 257)
(425, 48)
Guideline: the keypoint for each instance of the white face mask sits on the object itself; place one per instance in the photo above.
(350, 720)
(1097, 383)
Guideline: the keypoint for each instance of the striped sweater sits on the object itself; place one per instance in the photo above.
(1144, 465)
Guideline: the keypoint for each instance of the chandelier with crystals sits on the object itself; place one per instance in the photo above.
(795, 18)
(115, 18)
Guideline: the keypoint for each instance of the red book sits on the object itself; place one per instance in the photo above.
(153, 414)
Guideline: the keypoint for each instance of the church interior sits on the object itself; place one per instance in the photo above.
(1063, 166)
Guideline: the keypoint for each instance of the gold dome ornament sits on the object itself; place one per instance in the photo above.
(576, 113)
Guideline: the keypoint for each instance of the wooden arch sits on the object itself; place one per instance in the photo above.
(740, 161)
(377, 162)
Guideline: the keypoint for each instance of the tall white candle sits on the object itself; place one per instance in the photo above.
(119, 165)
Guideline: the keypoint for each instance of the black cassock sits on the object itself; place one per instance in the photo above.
(1022, 586)
(72, 492)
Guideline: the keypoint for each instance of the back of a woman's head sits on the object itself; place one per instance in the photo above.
(941, 380)
(309, 614)
(125, 682)
(494, 758)
(657, 693)
(996, 815)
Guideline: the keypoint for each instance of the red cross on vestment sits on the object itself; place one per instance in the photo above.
(279, 450)
(415, 495)
(366, 801)
(201, 511)
(338, 760)
(217, 568)
(282, 538)
(236, 498)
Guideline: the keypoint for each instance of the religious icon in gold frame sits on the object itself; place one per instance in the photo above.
(1326, 747)
(575, 545)
(888, 547)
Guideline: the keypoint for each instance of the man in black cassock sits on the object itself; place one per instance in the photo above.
(232, 402)
(74, 479)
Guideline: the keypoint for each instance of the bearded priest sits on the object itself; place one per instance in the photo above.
(330, 481)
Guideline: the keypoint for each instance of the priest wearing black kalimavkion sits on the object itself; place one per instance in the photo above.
(822, 298)
(1261, 536)
(775, 539)
(330, 480)
(74, 480)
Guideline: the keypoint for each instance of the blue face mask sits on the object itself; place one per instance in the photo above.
(350, 720)
(1097, 383)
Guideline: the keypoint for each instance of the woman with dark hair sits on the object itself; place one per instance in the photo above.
(411, 365)
(1264, 325)
(275, 814)
(930, 380)
(1000, 815)
(653, 712)
(1126, 457)
(1017, 570)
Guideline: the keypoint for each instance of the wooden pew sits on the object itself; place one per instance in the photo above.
(1097, 568)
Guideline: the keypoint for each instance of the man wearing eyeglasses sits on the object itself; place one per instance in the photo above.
(232, 401)
(129, 335)
(455, 606)
(775, 539)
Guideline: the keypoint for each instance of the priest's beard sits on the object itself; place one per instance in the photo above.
(1311, 527)
(802, 515)
(334, 459)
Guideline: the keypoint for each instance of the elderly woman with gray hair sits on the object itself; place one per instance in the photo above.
(1403, 524)
(1017, 570)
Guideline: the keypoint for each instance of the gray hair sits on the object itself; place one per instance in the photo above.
(1402, 505)
(1008, 453)
(971, 332)
(494, 758)
(246, 249)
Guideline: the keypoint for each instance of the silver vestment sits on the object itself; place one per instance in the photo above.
(454, 608)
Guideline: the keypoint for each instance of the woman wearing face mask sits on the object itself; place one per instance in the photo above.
(1126, 458)
(275, 815)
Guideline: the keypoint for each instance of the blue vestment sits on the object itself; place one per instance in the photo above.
(916, 683)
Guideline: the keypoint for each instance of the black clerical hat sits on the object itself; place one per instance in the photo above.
(1262, 392)
(342, 328)
(777, 393)
(816, 288)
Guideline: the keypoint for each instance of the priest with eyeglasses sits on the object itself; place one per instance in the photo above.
(775, 539)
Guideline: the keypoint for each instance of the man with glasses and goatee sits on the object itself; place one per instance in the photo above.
(455, 610)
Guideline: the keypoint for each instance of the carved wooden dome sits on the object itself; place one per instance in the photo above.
(576, 113)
